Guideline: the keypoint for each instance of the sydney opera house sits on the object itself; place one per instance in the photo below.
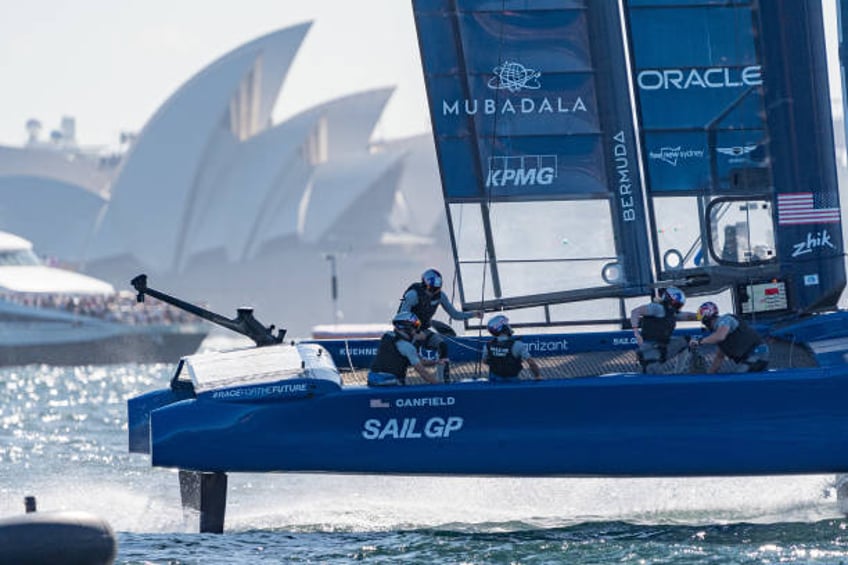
(220, 205)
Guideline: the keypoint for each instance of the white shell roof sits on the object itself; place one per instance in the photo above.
(55, 165)
(59, 217)
(161, 170)
(341, 186)
(421, 209)
(251, 177)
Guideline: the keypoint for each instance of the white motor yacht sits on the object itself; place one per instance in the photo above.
(56, 316)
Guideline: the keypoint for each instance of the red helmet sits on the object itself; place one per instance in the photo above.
(707, 311)
(406, 321)
(674, 296)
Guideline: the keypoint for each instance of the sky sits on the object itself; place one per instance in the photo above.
(111, 63)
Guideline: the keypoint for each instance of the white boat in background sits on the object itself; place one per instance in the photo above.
(56, 316)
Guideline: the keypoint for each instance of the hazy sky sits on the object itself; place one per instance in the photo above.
(111, 63)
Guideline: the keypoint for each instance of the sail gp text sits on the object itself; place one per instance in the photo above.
(409, 428)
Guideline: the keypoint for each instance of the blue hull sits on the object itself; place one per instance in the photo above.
(627, 425)
(787, 421)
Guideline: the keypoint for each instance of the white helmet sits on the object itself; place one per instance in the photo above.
(499, 325)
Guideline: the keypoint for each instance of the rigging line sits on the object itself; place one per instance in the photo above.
(489, 257)
(472, 139)
(347, 352)
(460, 344)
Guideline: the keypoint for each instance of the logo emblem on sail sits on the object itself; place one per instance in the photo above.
(671, 155)
(737, 154)
(714, 77)
(524, 170)
(814, 241)
(514, 77)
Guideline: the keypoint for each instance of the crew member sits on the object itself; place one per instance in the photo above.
(397, 352)
(423, 299)
(505, 354)
(735, 339)
(653, 325)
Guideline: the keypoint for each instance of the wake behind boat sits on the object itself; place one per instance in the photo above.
(59, 317)
(586, 162)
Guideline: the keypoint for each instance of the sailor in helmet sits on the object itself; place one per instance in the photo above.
(397, 352)
(735, 340)
(505, 354)
(423, 299)
(653, 325)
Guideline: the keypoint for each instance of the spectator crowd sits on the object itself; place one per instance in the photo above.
(118, 307)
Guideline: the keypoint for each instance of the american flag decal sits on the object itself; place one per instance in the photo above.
(805, 208)
(379, 403)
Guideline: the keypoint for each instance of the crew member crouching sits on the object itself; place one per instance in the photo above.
(397, 352)
(735, 340)
(653, 326)
(505, 354)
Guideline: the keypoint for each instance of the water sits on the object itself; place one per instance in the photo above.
(63, 439)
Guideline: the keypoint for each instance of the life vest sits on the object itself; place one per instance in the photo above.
(659, 330)
(389, 359)
(739, 343)
(427, 305)
(500, 359)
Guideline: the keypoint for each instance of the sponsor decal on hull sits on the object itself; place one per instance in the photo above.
(411, 428)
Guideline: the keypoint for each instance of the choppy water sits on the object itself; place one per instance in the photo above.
(63, 439)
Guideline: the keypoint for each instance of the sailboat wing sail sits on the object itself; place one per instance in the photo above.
(741, 182)
(533, 125)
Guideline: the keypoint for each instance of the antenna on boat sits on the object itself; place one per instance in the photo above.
(244, 322)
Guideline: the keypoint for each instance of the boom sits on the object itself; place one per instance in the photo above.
(244, 322)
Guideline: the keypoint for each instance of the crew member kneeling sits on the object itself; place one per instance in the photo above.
(653, 325)
(735, 339)
(505, 354)
(397, 352)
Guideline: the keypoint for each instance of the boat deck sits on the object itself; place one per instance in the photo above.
(783, 355)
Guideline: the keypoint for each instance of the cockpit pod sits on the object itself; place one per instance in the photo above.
(263, 374)
(256, 375)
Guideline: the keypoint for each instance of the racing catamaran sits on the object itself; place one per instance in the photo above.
(590, 153)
